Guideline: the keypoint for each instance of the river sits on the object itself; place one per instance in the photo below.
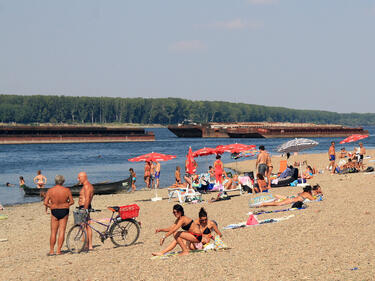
(108, 161)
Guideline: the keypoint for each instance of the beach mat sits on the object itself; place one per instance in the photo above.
(243, 224)
(3, 217)
(175, 254)
(276, 211)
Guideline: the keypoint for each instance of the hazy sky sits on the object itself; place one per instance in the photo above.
(306, 54)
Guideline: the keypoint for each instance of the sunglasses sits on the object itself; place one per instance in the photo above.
(202, 220)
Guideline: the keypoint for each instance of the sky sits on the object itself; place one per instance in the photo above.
(316, 54)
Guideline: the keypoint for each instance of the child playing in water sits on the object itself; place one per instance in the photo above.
(134, 178)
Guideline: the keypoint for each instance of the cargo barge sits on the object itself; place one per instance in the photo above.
(22, 134)
(262, 130)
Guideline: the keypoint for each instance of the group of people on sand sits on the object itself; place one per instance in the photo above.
(59, 199)
(151, 174)
(194, 234)
(354, 160)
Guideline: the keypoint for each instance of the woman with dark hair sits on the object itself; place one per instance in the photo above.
(219, 167)
(206, 226)
(191, 232)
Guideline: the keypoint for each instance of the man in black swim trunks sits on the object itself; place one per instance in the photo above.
(84, 202)
(58, 199)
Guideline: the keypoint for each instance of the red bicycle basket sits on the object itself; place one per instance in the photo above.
(129, 211)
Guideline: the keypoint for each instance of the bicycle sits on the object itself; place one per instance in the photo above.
(119, 229)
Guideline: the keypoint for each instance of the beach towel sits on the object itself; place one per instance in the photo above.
(257, 201)
(277, 211)
(243, 224)
(217, 245)
(3, 217)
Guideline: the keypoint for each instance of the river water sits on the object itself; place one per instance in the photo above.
(108, 161)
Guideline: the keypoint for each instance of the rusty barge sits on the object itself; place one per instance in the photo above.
(262, 130)
(22, 134)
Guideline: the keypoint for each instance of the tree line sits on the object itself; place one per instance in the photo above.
(73, 110)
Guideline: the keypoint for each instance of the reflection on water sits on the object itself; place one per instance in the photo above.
(108, 161)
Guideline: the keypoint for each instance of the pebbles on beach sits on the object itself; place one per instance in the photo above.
(326, 241)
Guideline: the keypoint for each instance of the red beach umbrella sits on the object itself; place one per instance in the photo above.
(153, 156)
(353, 138)
(205, 151)
(235, 147)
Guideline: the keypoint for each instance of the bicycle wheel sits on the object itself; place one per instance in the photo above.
(124, 233)
(76, 238)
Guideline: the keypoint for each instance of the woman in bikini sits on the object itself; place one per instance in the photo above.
(191, 232)
(282, 200)
(207, 226)
(40, 180)
(147, 173)
(219, 167)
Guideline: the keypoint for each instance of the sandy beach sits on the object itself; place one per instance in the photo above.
(330, 240)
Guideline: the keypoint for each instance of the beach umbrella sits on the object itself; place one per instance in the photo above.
(205, 151)
(296, 145)
(353, 138)
(154, 157)
(234, 147)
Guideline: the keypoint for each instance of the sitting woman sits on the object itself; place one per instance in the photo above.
(191, 232)
(262, 185)
(233, 183)
(282, 200)
(207, 226)
(308, 173)
(227, 181)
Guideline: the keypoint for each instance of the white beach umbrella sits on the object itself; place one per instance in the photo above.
(296, 145)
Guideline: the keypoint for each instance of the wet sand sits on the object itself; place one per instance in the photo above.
(330, 240)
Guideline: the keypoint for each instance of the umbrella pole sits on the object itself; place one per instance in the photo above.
(156, 198)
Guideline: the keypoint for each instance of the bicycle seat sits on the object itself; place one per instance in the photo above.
(114, 208)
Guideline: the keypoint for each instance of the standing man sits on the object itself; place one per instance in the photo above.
(58, 199)
(84, 202)
(269, 169)
(332, 157)
(157, 173)
(362, 152)
(261, 163)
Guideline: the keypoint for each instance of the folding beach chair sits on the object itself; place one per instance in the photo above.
(282, 166)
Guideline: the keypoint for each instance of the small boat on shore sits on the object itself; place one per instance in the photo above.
(99, 188)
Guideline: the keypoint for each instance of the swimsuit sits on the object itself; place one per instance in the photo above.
(360, 159)
(187, 227)
(332, 157)
(60, 213)
(134, 179)
(157, 175)
(206, 231)
(196, 235)
(262, 169)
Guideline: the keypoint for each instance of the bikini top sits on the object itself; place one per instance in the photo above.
(207, 231)
(187, 227)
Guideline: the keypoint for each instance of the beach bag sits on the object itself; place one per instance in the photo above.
(369, 169)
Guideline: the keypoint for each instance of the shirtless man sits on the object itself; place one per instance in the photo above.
(261, 162)
(362, 152)
(84, 202)
(147, 173)
(58, 199)
(157, 173)
(40, 180)
(332, 157)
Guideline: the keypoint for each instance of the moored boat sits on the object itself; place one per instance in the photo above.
(99, 188)
(20, 134)
(262, 130)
